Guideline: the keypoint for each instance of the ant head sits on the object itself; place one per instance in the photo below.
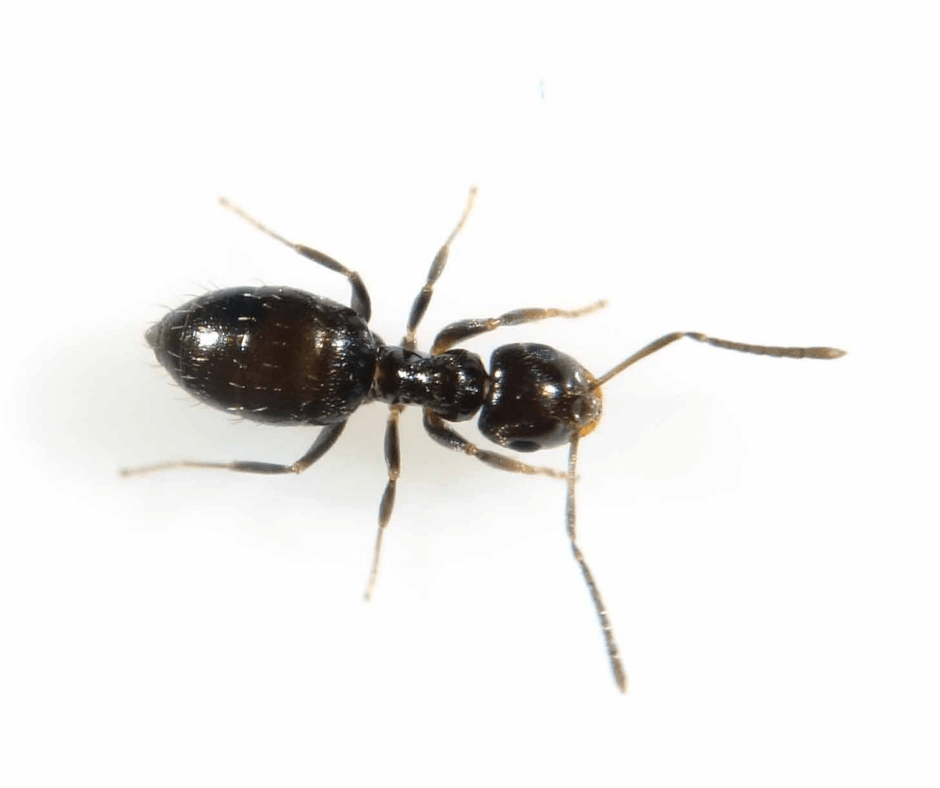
(539, 398)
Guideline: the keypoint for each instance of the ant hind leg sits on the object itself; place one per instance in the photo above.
(361, 303)
(324, 442)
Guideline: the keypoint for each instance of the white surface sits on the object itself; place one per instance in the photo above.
(764, 531)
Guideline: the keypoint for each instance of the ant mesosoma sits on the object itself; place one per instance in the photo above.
(283, 356)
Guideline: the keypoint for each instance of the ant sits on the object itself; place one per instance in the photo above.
(277, 355)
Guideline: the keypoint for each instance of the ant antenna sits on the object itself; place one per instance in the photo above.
(613, 653)
(760, 350)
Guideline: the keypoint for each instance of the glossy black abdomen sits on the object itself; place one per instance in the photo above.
(271, 354)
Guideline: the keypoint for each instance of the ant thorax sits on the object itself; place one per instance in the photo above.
(453, 384)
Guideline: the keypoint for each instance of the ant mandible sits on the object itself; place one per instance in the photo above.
(283, 356)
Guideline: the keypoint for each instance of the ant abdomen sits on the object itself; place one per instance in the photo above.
(270, 354)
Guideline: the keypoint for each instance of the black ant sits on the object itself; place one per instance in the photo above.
(282, 356)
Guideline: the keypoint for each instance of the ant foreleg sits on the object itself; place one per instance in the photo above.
(451, 334)
(451, 439)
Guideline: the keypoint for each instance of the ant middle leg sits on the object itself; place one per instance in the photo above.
(451, 334)
(423, 299)
(393, 461)
(324, 442)
(449, 438)
(361, 303)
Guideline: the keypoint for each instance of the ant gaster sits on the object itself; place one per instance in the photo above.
(283, 356)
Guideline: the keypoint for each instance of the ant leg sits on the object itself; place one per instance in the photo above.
(450, 335)
(451, 439)
(613, 653)
(324, 442)
(393, 461)
(420, 305)
(360, 296)
(760, 350)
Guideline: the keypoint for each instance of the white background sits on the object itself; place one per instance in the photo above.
(764, 531)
